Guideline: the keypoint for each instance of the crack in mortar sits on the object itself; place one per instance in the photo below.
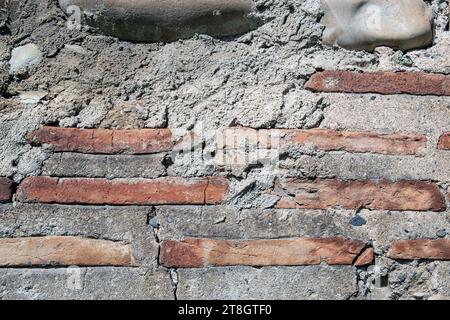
(174, 278)
(173, 274)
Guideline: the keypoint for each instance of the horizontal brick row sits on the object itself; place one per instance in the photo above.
(6, 186)
(444, 141)
(123, 192)
(322, 139)
(293, 193)
(197, 253)
(63, 251)
(332, 140)
(103, 141)
(201, 252)
(416, 83)
(382, 195)
(146, 141)
(437, 249)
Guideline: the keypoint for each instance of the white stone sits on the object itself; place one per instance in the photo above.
(32, 97)
(367, 24)
(24, 58)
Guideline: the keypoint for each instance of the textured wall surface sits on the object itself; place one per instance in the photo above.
(263, 165)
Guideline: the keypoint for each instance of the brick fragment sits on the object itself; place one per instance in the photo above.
(416, 83)
(5, 190)
(197, 253)
(63, 251)
(444, 141)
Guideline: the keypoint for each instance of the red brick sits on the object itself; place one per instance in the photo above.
(103, 141)
(197, 253)
(383, 195)
(417, 83)
(63, 251)
(123, 192)
(5, 190)
(332, 140)
(444, 141)
(420, 249)
(322, 139)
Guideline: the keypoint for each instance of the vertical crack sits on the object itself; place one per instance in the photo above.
(205, 192)
(174, 279)
(153, 222)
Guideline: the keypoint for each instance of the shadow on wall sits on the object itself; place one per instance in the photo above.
(164, 20)
(351, 24)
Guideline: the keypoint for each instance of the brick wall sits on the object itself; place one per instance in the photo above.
(99, 201)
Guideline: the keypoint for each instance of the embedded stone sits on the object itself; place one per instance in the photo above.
(163, 20)
(24, 58)
(365, 25)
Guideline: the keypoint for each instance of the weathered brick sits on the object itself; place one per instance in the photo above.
(444, 141)
(332, 140)
(438, 249)
(383, 195)
(63, 251)
(417, 83)
(245, 139)
(5, 190)
(103, 141)
(161, 191)
(197, 253)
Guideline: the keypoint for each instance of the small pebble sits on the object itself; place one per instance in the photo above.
(401, 277)
(220, 220)
(154, 223)
(358, 221)
(441, 233)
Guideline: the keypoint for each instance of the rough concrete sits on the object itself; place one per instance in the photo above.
(85, 283)
(253, 80)
(350, 167)
(236, 283)
(100, 166)
(419, 280)
(398, 113)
